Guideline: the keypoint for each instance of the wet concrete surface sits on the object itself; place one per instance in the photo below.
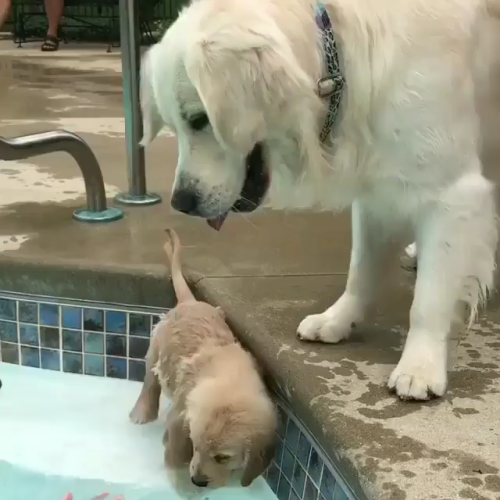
(267, 270)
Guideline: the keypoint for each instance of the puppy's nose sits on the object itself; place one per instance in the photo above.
(201, 482)
(185, 201)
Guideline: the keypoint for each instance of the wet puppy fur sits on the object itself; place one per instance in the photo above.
(222, 418)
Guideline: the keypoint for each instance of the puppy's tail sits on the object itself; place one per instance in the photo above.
(172, 249)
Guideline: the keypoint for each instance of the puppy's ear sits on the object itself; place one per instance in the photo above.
(260, 457)
(178, 444)
(247, 86)
(152, 121)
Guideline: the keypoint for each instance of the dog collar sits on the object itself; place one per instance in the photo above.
(332, 84)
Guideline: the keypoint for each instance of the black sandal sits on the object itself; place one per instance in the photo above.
(51, 44)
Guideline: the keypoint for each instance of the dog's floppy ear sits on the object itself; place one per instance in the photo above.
(152, 121)
(260, 457)
(244, 86)
(178, 444)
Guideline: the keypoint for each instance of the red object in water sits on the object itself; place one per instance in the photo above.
(69, 497)
(102, 496)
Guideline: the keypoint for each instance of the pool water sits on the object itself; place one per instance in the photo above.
(68, 437)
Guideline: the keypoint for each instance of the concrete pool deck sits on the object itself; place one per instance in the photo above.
(268, 271)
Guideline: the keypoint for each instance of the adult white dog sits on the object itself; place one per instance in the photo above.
(369, 103)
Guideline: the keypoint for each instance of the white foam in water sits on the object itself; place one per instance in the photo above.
(77, 427)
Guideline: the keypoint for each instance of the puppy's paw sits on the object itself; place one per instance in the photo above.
(420, 375)
(409, 258)
(334, 325)
(143, 413)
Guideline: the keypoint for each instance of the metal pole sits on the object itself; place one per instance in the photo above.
(130, 49)
(21, 148)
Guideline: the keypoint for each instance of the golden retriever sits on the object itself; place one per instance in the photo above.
(239, 83)
(222, 418)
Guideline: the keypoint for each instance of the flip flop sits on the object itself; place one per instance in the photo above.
(51, 44)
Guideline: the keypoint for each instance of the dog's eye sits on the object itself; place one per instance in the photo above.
(220, 459)
(199, 121)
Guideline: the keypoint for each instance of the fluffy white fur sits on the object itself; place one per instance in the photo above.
(405, 152)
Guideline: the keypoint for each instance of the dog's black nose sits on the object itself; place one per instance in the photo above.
(200, 482)
(185, 201)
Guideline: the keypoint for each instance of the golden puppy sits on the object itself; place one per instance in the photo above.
(222, 418)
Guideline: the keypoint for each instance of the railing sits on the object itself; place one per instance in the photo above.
(130, 45)
(27, 146)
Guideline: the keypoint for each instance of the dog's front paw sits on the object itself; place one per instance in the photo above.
(335, 324)
(323, 328)
(419, 377)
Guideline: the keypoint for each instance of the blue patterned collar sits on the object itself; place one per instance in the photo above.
(332, 84)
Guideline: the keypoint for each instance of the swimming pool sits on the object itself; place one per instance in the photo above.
(66, 434)
(64, 430)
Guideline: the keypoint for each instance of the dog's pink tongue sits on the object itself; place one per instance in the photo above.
(217, 222)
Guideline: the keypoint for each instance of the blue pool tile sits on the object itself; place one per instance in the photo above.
(339, 493)
(294, 496)
(139, 325)
(288, 463)
(116, 367)
(155, 319)
(72, 340)
(49, 314)
(8, 309)
(310, 491)
(72, 362)
(283, 489)
(28, 312)
(51, 359)
(116, 322)
(292, 436)
(273, 477)
(327, 487)
(94, 365)
(278, 452)
(72, 317)
(93, 343)
(137, 347)
(116, 345)
(93, 320)
(49, 337)
(30, 356)
(315, 466)
(8, 331)
(298, 479)
(282, 422)
(136, 370)
(10, 353)
(303, 451)
(28, 334)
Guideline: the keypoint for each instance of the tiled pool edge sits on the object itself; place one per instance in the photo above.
(110, 340)
(75, 336)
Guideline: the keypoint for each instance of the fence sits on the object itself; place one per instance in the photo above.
(92, 20)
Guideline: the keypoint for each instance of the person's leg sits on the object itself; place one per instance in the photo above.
(54, 9)
(5, 6)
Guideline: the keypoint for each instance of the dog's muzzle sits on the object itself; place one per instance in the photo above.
(254, 189)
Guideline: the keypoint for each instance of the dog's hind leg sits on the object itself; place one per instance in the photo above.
(369, 240)
(147, 405)
(456, 242)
